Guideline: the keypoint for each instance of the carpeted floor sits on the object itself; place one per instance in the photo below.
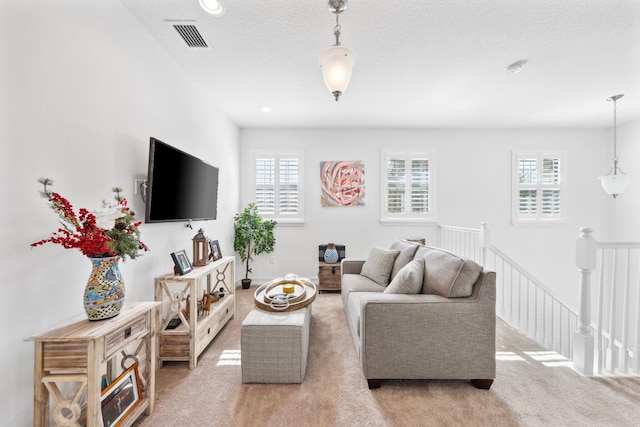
(533, 387)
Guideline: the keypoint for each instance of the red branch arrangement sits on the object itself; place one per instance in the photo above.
(121, 238)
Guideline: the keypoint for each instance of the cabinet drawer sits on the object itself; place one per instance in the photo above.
(64, 355)
(124, 335)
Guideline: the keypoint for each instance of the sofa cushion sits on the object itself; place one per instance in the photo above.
(407, 251)
(448, 274)
(357, 283)
(408, 280)
(378, 265)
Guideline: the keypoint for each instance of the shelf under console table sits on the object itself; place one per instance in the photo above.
(181, 304)
(79, 356)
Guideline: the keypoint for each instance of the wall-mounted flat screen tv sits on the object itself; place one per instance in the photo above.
(180, 187)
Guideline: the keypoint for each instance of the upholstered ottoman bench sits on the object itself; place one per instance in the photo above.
(274, 346)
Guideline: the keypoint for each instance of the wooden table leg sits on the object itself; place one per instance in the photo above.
(40, 392)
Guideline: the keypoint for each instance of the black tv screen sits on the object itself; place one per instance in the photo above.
(180, 187)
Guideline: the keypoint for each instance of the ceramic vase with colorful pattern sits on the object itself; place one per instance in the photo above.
(104, 293)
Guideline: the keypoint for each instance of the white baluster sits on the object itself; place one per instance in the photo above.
(612, 350)
(524, 295)
(600, 314)
(519, 300)
(535, 313)
(484, 242)
(583, 336)
(624, 362)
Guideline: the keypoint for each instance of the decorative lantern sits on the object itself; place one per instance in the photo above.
(200, 249)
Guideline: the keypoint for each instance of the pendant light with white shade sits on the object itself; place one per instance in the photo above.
(615, 182)
(337, 61)
(214, 7)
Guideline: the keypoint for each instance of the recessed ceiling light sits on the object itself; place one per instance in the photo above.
(516, 67)
(265, 109)
(214, 7)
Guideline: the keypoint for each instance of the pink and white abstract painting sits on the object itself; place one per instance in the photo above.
(342, 183)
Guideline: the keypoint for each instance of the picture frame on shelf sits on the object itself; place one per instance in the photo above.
(181, 261)
(121, 397)
(216, 253)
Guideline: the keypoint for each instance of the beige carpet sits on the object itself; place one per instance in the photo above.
(532, 388)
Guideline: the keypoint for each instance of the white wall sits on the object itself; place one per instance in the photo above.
(624, 218)
(473, 184)
(82, 89)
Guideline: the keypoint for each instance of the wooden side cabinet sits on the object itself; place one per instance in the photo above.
(181, 304)
(329, 277)
(74, 359)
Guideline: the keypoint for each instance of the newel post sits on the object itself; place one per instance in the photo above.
(583, 336)
(484, 242)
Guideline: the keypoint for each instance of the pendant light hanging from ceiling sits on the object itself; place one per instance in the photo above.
(337, 61)
(615, 182)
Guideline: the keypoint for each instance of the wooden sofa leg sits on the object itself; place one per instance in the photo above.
(482, 384)
(374, 383)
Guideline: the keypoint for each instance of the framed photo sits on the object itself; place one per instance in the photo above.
(183, 266)
(216, 253)
(121, 397)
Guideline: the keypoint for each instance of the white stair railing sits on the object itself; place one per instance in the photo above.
(608, 344)
(522, 301)
(467, 242)
(615, 332)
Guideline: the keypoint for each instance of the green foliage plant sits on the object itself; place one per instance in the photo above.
(253, 235)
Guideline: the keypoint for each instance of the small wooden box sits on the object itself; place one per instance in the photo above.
(329, 277)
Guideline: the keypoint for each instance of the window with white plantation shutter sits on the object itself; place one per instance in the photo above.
(265, 185)
(406, 188)
(539, 186)
(419, 186)
(278, 185)
(288, 187)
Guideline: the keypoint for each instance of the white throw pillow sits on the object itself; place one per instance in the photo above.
(408, 280)
(378, 265)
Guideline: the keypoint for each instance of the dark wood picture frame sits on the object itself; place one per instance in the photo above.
(180, 259)
(216, 253)
(121, 397)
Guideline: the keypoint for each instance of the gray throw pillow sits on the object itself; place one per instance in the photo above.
(407, 251)
(408, 280)
(448, 274)
(378, 265)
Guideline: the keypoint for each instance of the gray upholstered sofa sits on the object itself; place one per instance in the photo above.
(417, 312)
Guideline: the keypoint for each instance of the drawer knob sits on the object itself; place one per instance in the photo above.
(127, 332)
(333, 270)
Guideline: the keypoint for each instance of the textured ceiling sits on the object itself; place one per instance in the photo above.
(429, 63)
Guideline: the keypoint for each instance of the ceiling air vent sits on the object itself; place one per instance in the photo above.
(189, 33)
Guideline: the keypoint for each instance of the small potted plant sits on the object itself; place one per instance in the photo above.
(253, 236)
